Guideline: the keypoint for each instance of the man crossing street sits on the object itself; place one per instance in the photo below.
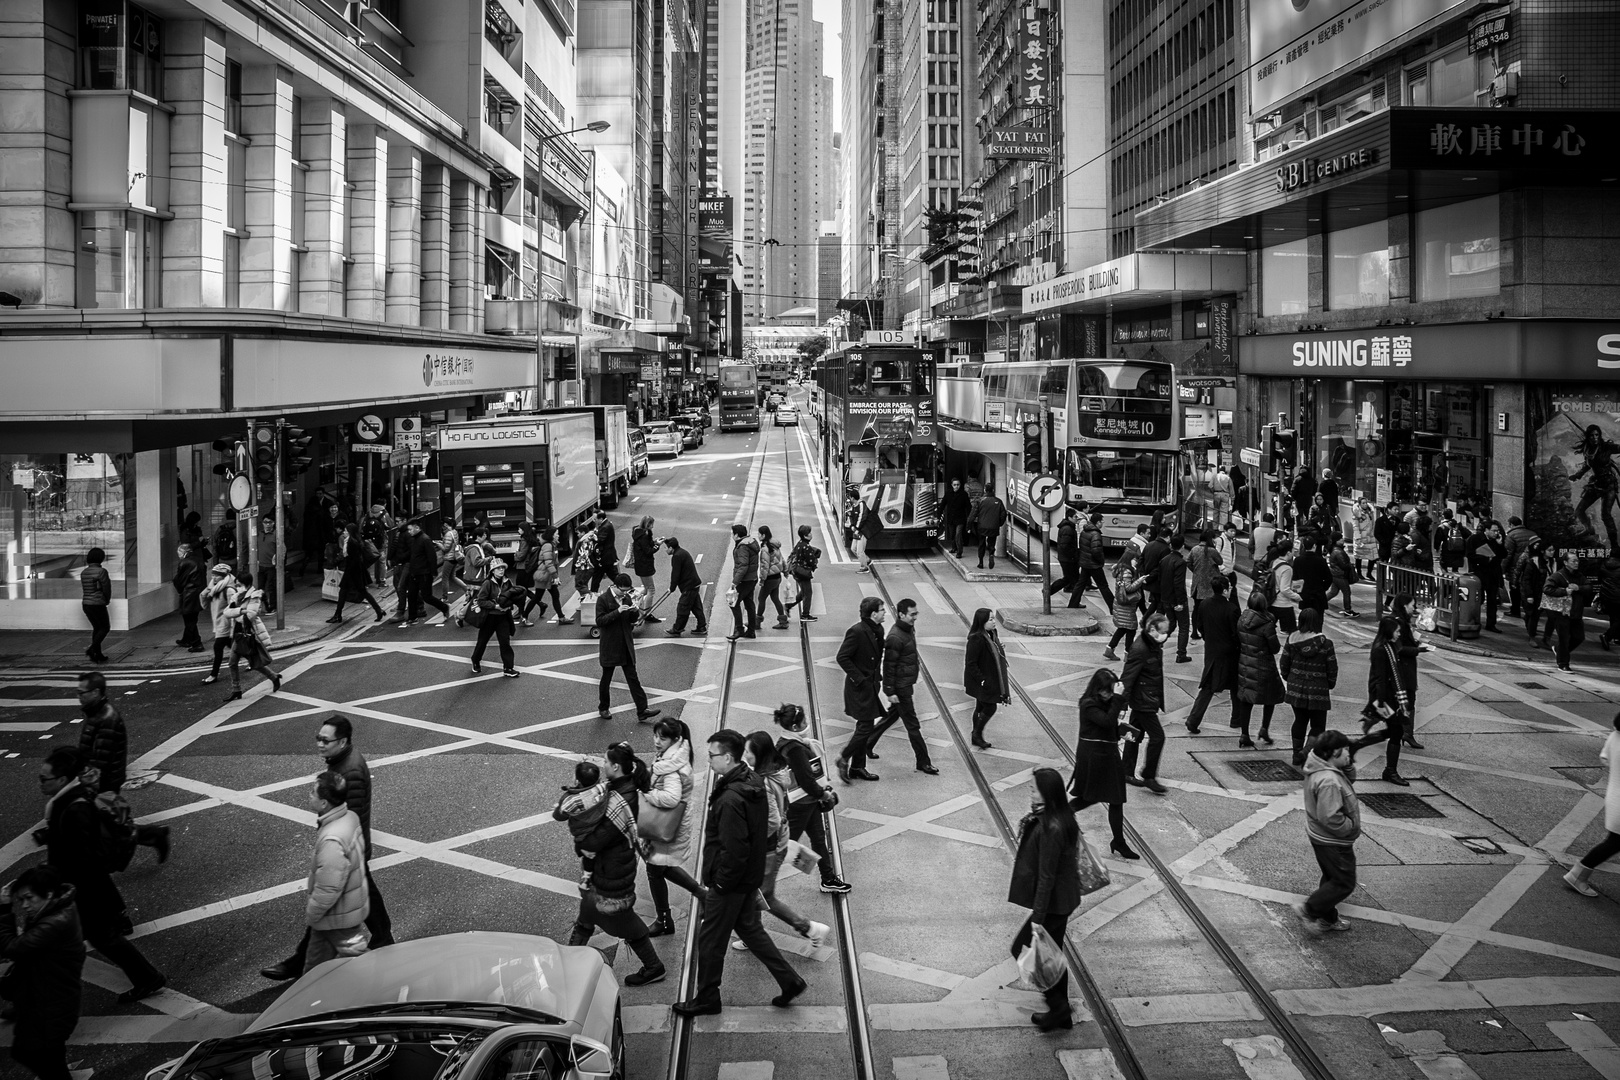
(684, 581)
(900, 669)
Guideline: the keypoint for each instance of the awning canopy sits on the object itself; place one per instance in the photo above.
(976, 441)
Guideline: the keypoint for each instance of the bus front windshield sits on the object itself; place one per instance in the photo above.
(1135, 478)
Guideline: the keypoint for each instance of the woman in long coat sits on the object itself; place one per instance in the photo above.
(1046, 879)
(984, 673)
(1099, 775)
(1219, 618)
(671, 786)
(1259, 682)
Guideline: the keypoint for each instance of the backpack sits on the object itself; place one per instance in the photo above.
(585, 554)
(1265, 579)
(1456, 544)
(115, 823)
(804, 559)
(371, 552)
(225, 542)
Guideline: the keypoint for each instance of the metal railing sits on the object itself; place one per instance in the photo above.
(1440, 590)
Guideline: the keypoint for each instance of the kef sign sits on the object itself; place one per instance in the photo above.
(1300, 174)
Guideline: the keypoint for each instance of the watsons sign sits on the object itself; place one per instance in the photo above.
(1298, 174)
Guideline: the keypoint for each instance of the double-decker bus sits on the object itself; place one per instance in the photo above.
(879, 440)
(739, 397)
(1109, 428)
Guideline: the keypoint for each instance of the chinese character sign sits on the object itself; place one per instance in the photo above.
(1034, 62)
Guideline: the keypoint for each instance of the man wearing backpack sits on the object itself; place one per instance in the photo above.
(104, 752)
(1452, 538)
(76, 848)
(802, 563)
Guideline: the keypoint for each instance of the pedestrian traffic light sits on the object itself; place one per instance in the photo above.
(1032, 446)
(227, 445)
(1287, 447)
(298, 460)
(266, 452)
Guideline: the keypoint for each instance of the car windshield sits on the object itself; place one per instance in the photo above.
(660, 429)
(1118, 477)
(354, 1051)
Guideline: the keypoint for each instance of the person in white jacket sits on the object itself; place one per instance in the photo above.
(671, 787)
(249, 638)
(1579, 876)
(337, 905)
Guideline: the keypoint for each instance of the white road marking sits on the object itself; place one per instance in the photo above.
(1264, 1058)
(27, 726)
(698, 557)
(927, 1067)
(1089, 1064)
(1591, 1044)
(1429, 1052)
(917, 973)
(746, 1070)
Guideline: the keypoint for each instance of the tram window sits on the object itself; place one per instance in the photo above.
(857, 376)
(996, 383)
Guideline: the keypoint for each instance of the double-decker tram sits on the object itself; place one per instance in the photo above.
(1109, 429)
(739, 397)
(879, 440)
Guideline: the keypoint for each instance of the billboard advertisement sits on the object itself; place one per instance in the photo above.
(1293, 43)
(1575, 468)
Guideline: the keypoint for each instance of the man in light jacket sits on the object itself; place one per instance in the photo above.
(337, 906)
(745, 579)
(1332, 823)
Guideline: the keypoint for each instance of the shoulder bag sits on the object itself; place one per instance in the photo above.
(661, 823)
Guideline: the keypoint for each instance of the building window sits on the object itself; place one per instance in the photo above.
(1358, 266)
(1448, 80)
(1284, 279)
(233, 97)
(120, 48)
(1459, 249)
(119, 263)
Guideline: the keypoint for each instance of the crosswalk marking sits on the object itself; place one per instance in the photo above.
(1591, 1044)
(1089, 1064)
(747, 1070)
(927, 1067)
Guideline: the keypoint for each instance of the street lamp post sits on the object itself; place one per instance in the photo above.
(544, 379)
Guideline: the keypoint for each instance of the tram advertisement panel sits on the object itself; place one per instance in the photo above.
(890, 420)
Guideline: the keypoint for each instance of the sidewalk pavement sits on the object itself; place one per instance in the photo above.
(150, 648)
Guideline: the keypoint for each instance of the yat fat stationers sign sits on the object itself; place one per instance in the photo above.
(1029, 143)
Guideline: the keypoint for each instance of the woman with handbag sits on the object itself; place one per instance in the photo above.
(984, 673)
(1099, 776)
(356, 562)
(1310, 667)
(666, 827)
(809, 795)
(491, 612)
(250, 640)
(546, 574)
(759, 752)
(1391, 689)
(1046, 879)
(1563, 601)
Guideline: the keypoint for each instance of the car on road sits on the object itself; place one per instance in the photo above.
(473, 1006)
(638, 455)
(787, 413)
(699, 417)
(663, 439)
(691, 433)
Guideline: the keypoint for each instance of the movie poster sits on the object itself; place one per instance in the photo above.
(1575, 468)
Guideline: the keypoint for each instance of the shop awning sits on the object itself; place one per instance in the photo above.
(975, 441)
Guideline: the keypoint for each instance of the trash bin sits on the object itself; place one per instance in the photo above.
(1470, 596)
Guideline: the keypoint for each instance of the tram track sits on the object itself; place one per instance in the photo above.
(1130, 1062)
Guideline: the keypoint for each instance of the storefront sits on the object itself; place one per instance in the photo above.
(1508, 417)
(107, 441)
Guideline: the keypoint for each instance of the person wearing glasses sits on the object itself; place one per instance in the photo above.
(335, 743)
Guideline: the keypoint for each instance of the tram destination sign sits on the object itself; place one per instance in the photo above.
(1125, 427)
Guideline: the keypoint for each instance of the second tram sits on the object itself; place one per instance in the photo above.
(739, 397)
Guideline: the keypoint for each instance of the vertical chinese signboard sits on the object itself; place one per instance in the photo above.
(1034, 61)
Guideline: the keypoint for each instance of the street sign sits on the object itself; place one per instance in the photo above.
(369, 448)
(1046, 492)
(399, 457)
(369, 428)
(242, 494)
(1250, 455)
(407, 433)
(23, 478)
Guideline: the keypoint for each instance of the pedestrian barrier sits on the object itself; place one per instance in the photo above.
(1445, 593)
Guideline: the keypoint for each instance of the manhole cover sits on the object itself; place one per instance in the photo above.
(1399, 806)
(1535, 686)
(1584, 775)
(1266, 771)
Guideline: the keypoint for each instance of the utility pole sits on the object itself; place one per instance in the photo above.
(281, 535)
(253, 518)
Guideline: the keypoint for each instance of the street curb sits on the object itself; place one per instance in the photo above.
(968, 573)
(1033, 622)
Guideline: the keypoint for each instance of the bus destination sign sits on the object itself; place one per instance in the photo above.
(1132, 427)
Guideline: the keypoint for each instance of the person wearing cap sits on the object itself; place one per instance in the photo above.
(1332, 825)
(219, 594)
(616, 616)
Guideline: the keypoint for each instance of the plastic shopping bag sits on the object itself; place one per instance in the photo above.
(1041, 964)
(1093, 874)
(332, 585)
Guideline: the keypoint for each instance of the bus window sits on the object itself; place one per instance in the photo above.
(922, 382)
(1022, 386)
(1055, 380)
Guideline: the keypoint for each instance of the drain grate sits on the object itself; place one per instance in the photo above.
(1266, 771)
(1534, 686)
(1399, 806)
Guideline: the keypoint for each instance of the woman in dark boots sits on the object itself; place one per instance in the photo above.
(1099, 777)
(1390, 683)
(985, 673)
(356, 562)
(1046, 879)
(1310, 667)
(671, 786)
(1258, 680)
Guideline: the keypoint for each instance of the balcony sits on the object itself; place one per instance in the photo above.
(511, 316)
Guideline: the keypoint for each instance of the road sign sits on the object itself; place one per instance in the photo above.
(242, 494)
(369, 428)
(407, 433)
(369, 448)
(399, 457)
(1046, 492)
(1250, 456)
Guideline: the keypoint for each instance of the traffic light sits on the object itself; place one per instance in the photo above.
(1032, 446)
(265, 452)
(297, 445)
(227, 445)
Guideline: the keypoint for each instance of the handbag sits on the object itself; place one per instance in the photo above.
(332, 585)
(1093, 875)
(661, 823)
(1373, 714)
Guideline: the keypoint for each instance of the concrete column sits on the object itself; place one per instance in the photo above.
(267, 256)
(37, 242)
(466, 256)
(368, 222)
(324, 144)
(403, 284)
(194, 242)
(436, 246)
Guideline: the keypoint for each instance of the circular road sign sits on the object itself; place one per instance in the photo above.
(241, 492)
(369, 428)
(1046, 492)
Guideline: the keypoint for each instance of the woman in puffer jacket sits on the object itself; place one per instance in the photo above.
(671, 786)
(1258, 681)
(1127, 602)
(1311, 669)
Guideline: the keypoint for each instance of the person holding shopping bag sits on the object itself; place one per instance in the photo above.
(1046, 879)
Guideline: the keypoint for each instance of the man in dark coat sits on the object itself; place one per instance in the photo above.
(607, 552)
(643, 549)
(72, 839)
(735, 843)
(1517, 542)
(40, 936)
(684, 582)
(190, 574)
(1486, 556)
(901, 667)
(988, 518)
(1217, 619)
(957, 507)
(1172, 593)
(1092, 552)
(1067, 549)
(1158, 546)
(1144, 693)
(616, 648)
(423, 565)
(1301, 494)
(1312, 575)
(104, 748)
(745, 579)
(335, 742)
(1329, 490)
(861, 658)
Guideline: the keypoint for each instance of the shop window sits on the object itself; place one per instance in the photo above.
(1358, 266)
(1459, 250)
(1285, 279)
(65, 504)
(119, 264)
(120, 48)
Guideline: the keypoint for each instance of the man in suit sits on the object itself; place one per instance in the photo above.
(684, 581)
(1217, 622)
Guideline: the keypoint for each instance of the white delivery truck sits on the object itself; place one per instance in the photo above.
(615, 469)
(502, 471)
